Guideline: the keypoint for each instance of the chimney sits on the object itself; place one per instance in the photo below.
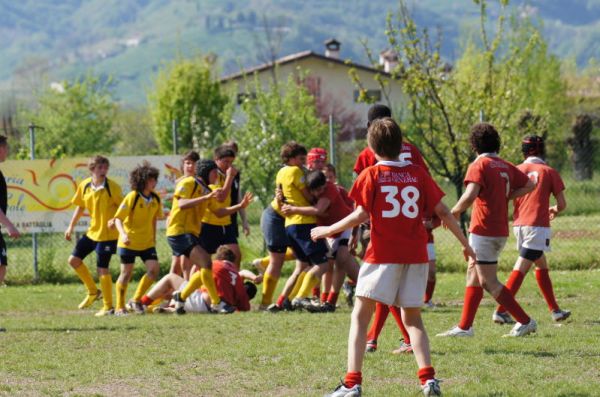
(332, 48)
(389, 60)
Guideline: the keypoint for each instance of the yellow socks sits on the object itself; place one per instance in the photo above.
(142, 287)
(106, 287)
(297, 285)
(309, 282)
(209, 282)
(121, 292)
(289, 255)
(194, 283)
(269, 285)
(86, 278)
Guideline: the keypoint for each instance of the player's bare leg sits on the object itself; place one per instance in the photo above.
(411, 317)
(175, 266)
(357, 338)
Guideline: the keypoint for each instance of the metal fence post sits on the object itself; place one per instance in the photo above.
(34, 241)
(331, 141)
(175, 137)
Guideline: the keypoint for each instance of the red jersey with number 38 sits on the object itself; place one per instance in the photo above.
(396, 195)
(496, 178)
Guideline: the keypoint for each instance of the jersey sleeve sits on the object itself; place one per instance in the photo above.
(362, 191)
(433, 195)
(557, 183)
(125, 207)
(184, 189)
(365, 159)
(417, 159)
(474, 175)
(242, 302)
(298, 179)
(78, 197)
(520, 179)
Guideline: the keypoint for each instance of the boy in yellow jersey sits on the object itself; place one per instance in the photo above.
(136, 222)
(291, 180)
(190, 201)
(181, 265)
(101, 197)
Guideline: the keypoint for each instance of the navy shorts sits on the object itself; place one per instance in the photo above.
(104, 250)
(182, 244)
(272, 226)
(213, 236)
(128, 256)
(3, 257)
(304, 248)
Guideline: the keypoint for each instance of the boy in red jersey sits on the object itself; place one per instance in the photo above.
(490, 182)
(394, 195)
(531, 226)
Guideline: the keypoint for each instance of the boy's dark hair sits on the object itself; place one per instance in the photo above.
(233, 145)
(377, 112)
(223, 151)
(484, 138)
(97, 160)
(533, 145)
(3, 140)
(290, 150)
(250, 289)
(385, 138)
(191, 156)
(141, 174)
(331, 168)
(203, 169)
(315, 179)
(224, 253)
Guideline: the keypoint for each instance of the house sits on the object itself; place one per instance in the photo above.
(329, 80)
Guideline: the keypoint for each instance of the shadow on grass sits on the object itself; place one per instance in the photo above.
(76, 329)
(523, 353)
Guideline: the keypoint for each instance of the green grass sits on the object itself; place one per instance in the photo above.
(51, 348)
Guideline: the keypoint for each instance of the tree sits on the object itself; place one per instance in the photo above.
(274, 115)
(76, 117)
(497, 79)
(187, 91)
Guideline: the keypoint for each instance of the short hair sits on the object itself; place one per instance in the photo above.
(290, 150)
(223, 151)
(315, 179)
(3, 140)
(331, 168)
(203, 169)
(533, 145)
(232, 144)
(377, 111)
(250, 289)
(385, 137)
(484, 138)
(142, 174)
(224, 253)
(192, 155)
(95, 161)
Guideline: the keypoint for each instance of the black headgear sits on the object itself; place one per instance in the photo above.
(533, 145)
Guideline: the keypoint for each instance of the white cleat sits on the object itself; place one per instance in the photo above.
(560, 315)
(458, 332)
(502, 318)
(432, 388)
(343, 391)
(523, 329)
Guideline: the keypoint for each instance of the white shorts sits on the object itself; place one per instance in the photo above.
(487, 249)
(393, 284)
(334, 243)
(533, 237)
(430, 251)
(194, 303)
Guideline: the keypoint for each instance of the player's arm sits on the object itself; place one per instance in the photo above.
(192, 202)
(246, 200)
(529, 186)
(76, 215)
(248, 275)
(449, 220)
(10, 228)
(245, 225)
(466, 200)
(319, 209)
(358, 216)
(229, 177)
(561, 205)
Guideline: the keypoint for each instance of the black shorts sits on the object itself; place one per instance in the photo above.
(3, 257)
(182, 244)
(213, 236)
(305, 249)
(104, 250)
(272, 226)
(128, 256)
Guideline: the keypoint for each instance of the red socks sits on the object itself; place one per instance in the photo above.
(425, 374)
(381, 313)
(353, 378)
(508, 301)
(324, 296)
(429, 291)
(332, 298)
(513, 284)
(146, 300)
(473, 296)
(396, 313)
(316, 291)
(280, 300)
(545, 284)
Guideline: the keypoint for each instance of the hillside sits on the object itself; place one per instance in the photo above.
(55, 39)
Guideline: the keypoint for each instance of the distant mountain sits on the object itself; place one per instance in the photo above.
(131, 39)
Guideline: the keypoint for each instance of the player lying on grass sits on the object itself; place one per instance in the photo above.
(394, 195)
(531, 226)
(229, 281)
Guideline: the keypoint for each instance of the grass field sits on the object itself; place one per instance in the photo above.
(51, 348)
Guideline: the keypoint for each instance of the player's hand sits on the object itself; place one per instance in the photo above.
(258, 279)
(287, 209)
(246, 228)
(469, 253)
(428, 223)
(111, 223)
(68, 233)
(279, 195)
(231, 171)
(247, 199)
(125, 239)
(553, 212)
(218, 194)
(319, 232)
(12, 231)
